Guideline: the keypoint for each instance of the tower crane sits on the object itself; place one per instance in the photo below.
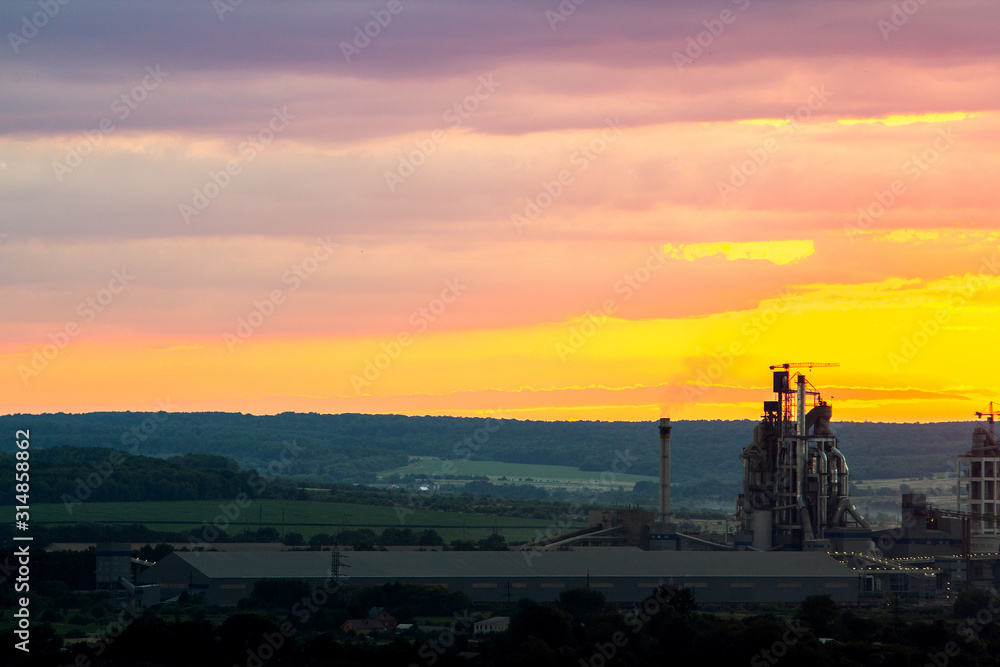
(989, 414)
(813, 364)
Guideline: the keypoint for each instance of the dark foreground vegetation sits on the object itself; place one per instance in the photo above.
(284, 623)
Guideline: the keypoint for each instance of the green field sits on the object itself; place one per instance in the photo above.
(306, 517)
(547, 476)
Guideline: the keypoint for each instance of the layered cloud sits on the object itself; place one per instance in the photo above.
(776, 252)
(572, 214)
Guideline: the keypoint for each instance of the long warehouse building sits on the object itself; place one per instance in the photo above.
(624, 575)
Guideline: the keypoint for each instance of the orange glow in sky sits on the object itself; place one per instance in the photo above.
(567, 225)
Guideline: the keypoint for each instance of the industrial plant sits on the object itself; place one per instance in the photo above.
(795, 478)
(795, 489)
(797, 533)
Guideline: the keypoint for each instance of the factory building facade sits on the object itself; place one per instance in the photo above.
(979, 488)
(961, 545)
(624, 575)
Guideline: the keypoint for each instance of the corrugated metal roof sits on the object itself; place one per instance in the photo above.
(597, 562)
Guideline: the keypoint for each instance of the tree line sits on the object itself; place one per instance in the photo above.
(354, 448)
(72, 475)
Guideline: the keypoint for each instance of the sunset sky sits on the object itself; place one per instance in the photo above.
(620, 209)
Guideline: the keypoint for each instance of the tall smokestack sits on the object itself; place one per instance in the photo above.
(664, 515)
(800, 406)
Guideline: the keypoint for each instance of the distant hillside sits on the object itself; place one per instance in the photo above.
(353, 448)
(74, 475)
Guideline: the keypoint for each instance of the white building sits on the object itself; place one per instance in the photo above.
(495, 624)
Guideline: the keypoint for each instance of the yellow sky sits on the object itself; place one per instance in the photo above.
(483, 211)
(906, 347)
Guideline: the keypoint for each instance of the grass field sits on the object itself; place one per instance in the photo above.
(306, 517)
(547, 476)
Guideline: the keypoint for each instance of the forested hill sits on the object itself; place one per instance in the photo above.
(354, 447)
(73, 475)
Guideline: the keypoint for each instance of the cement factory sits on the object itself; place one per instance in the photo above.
(797, 533)
(795, 478)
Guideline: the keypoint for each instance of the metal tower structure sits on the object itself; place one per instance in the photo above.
(795, 478)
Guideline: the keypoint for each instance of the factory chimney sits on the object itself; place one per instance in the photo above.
(664, 515)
